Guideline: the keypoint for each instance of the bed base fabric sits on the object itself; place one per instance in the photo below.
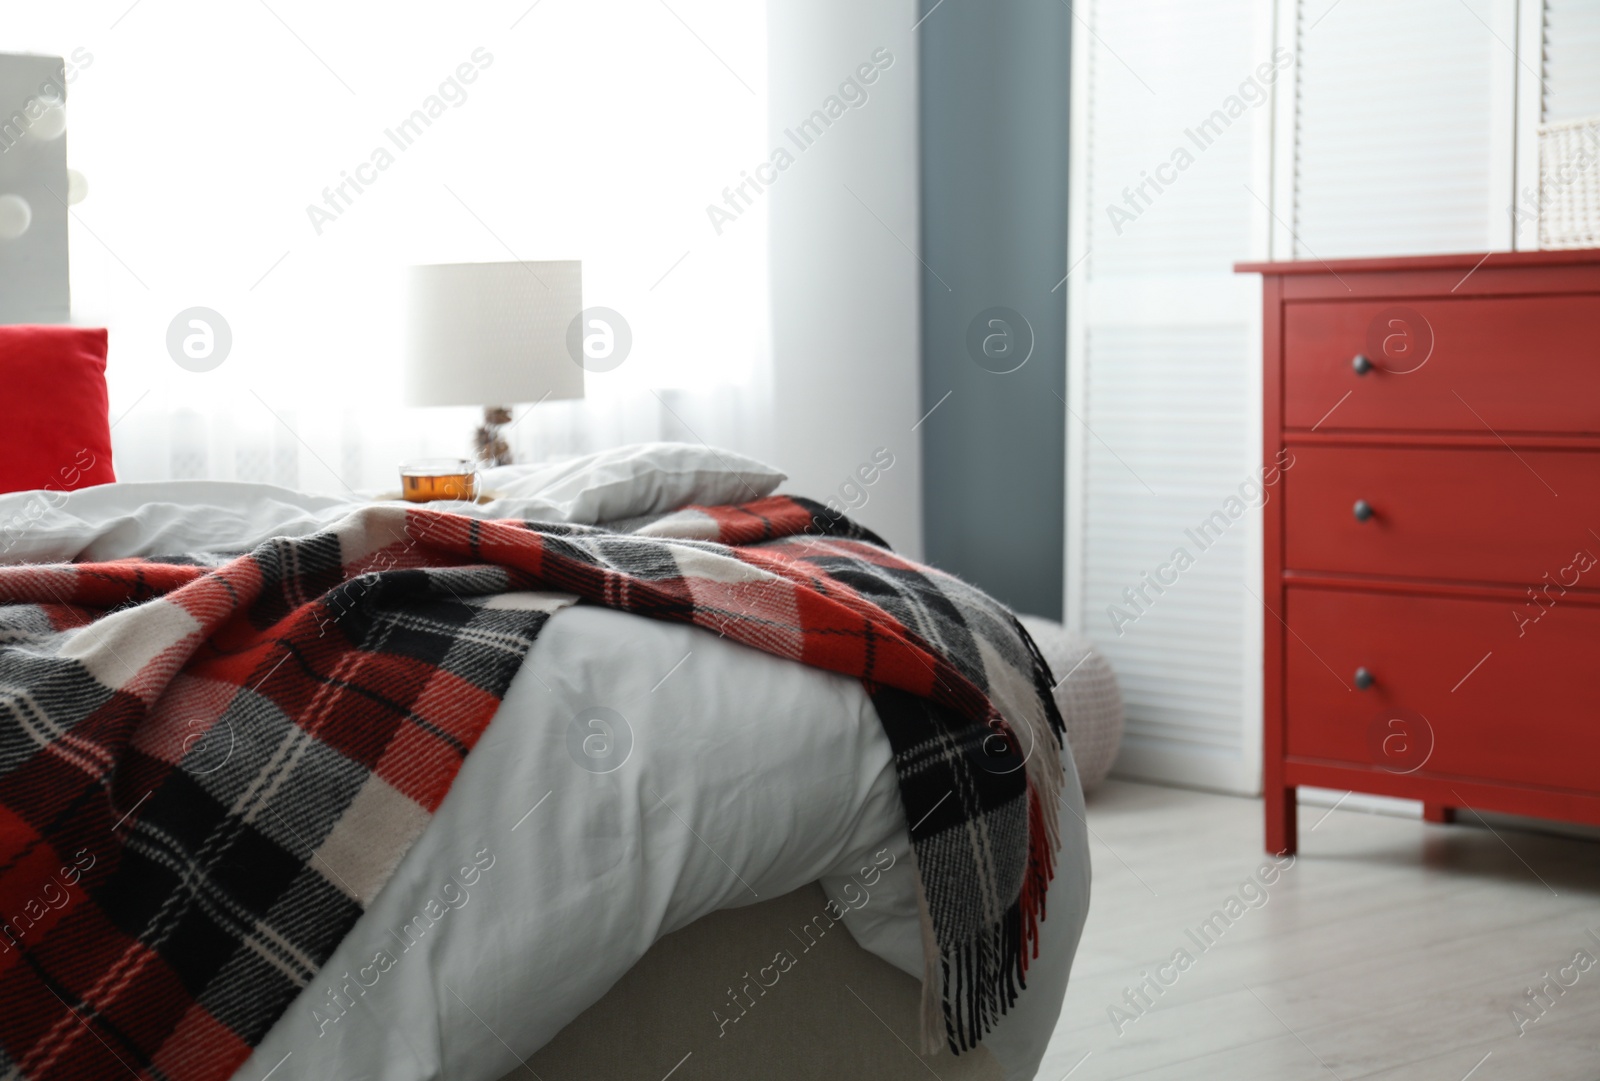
(776, 990)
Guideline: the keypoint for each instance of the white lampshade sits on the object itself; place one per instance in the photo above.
(491, 333)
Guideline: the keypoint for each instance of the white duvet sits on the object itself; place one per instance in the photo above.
(637, 776)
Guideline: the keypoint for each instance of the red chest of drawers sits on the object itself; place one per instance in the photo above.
(1432, 556)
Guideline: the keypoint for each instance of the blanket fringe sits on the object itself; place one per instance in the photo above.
(1045, 771)
(935, 978)
(967, 987)
(982, 978)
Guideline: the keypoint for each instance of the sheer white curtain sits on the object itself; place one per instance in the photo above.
(598, 130)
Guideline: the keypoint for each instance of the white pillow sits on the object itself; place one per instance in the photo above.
(627, 482)
(114, 521)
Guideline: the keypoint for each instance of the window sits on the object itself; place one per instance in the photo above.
(280, 163)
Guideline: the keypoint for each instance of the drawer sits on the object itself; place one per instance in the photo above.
(1467, 515)
(1529, 713)
(1511, 364)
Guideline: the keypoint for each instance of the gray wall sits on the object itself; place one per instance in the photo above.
(994, 111)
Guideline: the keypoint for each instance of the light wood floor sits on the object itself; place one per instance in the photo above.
(1391, 949)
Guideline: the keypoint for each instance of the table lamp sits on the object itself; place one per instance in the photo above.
(492, 335)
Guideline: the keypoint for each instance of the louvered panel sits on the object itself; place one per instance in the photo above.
(1142, 455)
(1571, 59)
(1180, 716)
(1394, 149)
(1159, 68)
(1200, 684)
(1166, 379)
(1169, 407)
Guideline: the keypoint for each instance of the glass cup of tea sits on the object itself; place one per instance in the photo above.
(424, 480)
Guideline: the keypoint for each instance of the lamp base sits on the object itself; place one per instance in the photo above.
(490, 444)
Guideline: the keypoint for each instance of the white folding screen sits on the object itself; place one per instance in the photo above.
(1570, 39)
(1390, 129)
(1171, 174)
(1403, 120)
(1557, 123)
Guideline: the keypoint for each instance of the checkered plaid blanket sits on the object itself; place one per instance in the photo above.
(209, 766)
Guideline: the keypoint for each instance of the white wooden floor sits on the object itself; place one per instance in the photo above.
(1391, 949)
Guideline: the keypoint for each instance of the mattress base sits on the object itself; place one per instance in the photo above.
(769, 990)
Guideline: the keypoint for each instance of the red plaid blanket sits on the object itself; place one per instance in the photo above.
(209, 767)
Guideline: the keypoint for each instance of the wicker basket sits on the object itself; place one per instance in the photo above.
(1569, 184)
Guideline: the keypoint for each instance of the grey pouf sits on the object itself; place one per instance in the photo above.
(1086, 694)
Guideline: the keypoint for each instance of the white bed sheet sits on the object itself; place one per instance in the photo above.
(748, 777)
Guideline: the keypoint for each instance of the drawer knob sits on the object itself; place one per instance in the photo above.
(1363, 510)
(1363, 679)
(1361, 364)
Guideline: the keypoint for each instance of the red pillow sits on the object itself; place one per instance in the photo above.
(54, 431)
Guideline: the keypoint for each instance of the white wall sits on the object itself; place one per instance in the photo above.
(844, 230)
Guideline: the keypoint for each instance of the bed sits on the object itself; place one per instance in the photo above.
(669, 854)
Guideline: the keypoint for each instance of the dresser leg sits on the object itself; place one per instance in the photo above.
(1437, 812)
(1282, 822)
